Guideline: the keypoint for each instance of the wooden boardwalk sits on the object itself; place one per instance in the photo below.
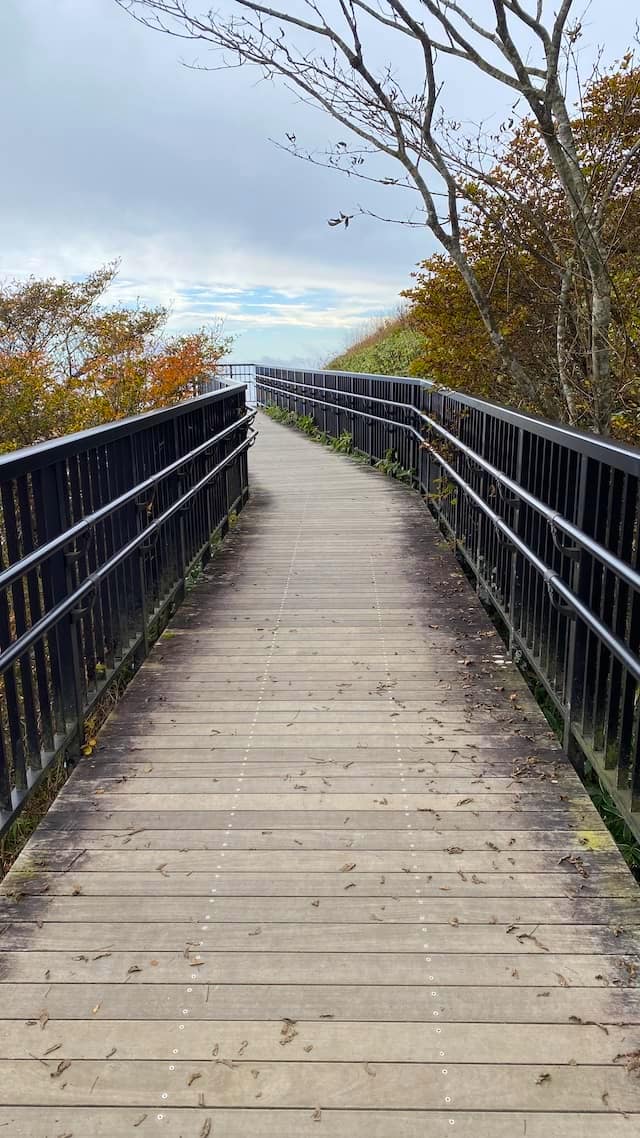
(327, 873)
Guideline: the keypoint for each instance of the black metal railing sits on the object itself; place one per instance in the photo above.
(99, 534)
(237, 373)
(546, 518)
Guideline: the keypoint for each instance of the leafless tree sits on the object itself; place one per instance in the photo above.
(331, 52)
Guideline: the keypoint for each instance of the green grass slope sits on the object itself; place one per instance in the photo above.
(389, 349)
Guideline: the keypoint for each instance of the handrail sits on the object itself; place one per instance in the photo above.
(552, 516)
(45, 453)
(551, 578)
(89, 585)
(557, 554)
(85, 584)
(597, 445)
(42, 552)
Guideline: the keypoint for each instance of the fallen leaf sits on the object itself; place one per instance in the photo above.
(63, 1065)
(588, 1023)
(576, 861)
(534, 939)
(631, 1061)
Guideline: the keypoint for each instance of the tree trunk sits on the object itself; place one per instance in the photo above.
(602, 388)
(563, 354)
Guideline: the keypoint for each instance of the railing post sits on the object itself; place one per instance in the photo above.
(517, 526)
(181, 550)
(369, 406)
(141, 509)
(30, 718)
(577, 642)
(54, 520)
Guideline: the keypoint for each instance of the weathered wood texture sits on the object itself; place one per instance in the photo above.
(327, 872)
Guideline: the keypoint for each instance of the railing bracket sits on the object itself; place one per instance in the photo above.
(572, 551)
(563, 610)
(81, 548)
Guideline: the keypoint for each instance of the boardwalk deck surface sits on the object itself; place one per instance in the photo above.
(327, 873)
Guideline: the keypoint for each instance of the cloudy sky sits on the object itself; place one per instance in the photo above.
(113, 148)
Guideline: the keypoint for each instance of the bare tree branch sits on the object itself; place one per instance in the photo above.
(323, 51)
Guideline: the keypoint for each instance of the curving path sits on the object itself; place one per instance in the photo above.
(327, 873)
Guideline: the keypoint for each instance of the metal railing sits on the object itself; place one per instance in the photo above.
(99, 533)
(238, 373)
(547, 520)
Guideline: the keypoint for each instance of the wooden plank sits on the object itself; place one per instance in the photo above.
(385, 862)
(208, 964)
(454, 911)
(452, 762)
(322, 1041)
(36, 1122)
(296, 783)
(133, 999)
(239, 1083)
(453, 778)
(163, 882)
(580, 817)
(159, 936)
(51, 838)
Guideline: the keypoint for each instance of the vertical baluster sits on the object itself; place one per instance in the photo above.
(15, 613)
(27, 517)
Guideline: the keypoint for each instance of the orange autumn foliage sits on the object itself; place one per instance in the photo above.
(523, 250)
(68, 362)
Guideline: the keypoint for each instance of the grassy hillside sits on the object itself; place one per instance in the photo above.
(388, 349)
